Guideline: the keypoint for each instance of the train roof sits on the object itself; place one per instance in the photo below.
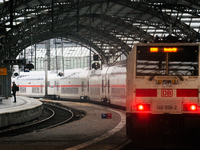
(35, 75)
(109, 70)
(76, 73)
(118, 68)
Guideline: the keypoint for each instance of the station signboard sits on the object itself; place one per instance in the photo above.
(3, 71)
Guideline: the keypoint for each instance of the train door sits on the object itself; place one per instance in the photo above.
(82, 87)
(105, 96)
(57, 89)
(95, 90)
(108, 87)
(85, 89)
(103, 93)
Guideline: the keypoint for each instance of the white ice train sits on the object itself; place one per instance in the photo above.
(163, 90)
(106, 85)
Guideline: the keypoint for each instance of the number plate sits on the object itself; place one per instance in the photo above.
(166, 106)
(166, 92)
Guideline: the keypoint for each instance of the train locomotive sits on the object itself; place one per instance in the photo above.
(106, 85)
(162, 97)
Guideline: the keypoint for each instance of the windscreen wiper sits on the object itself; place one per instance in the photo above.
(180, 77)
(151, 78)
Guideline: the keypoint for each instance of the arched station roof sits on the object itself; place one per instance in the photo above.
(110, 27)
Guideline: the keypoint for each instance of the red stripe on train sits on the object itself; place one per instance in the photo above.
(117, 86)
(96, 85)
(187, 92)
(31, 85)
(146, 92)
(71, 85)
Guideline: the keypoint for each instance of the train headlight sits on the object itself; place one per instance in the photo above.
(189, 107)
(143, 107)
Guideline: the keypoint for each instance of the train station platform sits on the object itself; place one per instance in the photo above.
(25, 109)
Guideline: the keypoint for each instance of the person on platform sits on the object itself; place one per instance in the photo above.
(14, 89)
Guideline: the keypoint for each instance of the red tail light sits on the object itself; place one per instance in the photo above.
(189, 107)
(143, 107)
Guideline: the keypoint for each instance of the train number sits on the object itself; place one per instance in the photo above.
(166, 107)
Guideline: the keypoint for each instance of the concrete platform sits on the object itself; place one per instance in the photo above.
(25, 109)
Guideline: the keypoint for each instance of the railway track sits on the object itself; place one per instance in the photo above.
(54, 114)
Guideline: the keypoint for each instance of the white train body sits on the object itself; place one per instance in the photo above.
(163, 87)
(73, 85)
(106, 85)
(31, 84)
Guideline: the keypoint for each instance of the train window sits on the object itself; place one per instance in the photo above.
(35, 90)
(95, 90)
(66, 90)
(118, 92)
(22, 89)
(180, 60)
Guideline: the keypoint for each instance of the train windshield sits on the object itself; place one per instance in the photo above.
(167, 61)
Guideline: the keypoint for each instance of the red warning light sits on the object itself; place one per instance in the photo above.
(143, 107)
(190, 107)
(193, 107)
(140, 107)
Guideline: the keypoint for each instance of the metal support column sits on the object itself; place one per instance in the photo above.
(48, 53)
(46, 75)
